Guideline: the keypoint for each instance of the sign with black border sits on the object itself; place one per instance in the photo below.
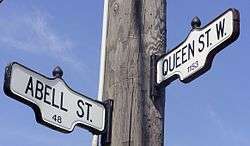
(194, 56)
(55, 104)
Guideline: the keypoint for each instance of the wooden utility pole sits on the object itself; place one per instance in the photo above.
(136, 29)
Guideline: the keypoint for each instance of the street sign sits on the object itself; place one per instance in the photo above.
(55, 104)
(194, 56)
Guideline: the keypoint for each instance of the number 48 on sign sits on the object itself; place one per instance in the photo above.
(55, 104)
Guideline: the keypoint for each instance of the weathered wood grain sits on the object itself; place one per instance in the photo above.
(136, 29)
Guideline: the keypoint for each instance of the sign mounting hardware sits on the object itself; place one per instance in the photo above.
(195, 54)
(55, 104)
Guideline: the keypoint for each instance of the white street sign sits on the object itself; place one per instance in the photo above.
(194, 56)
(54, 103)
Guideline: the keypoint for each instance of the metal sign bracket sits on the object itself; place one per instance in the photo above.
(154, 87)
(106, 136)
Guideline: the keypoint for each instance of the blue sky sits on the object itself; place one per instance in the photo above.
(213, 110)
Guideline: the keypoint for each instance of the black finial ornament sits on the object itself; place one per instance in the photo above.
(57, 72)
(196, 22)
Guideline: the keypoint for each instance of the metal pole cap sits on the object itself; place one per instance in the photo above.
(196, 22)
(57, 72)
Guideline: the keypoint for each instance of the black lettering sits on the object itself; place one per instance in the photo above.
(46, 93)
(201, 42)
(171, 68)
(61, 105)
(207, 33)
(88, 106)
(39, 89)
(220, 29)
(177, 58)
(30, 87)
(80, 104)
(183, 54)
(53, 98)
(165, 67)
(191, 49)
